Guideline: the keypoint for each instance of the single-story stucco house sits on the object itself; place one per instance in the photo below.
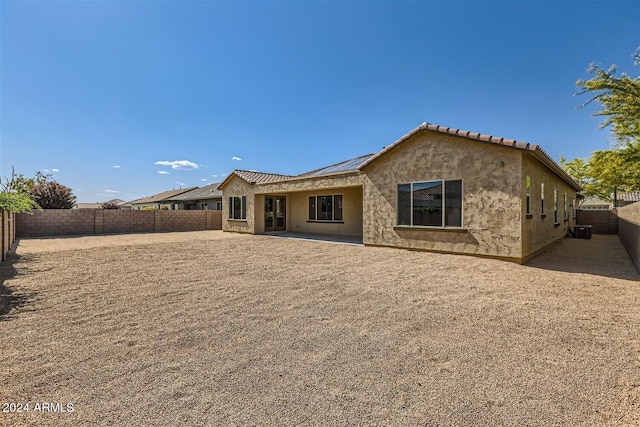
(203, 198)
(436, 188)
(160, 200)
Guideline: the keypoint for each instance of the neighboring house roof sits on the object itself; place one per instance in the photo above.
(512, 143)
(594, 201)
(87, 205)
(631, 196)
(97, 205)
(350, 165)
(207, 192)
(161, 196)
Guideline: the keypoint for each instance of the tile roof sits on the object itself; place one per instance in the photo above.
(255, 177)
(534, 148)
(350, 165)
(207, 192)
(162, 196)
(97, 205)
(631, 196)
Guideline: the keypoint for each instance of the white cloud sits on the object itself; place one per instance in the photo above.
(55, 170)
(47, 170)
(178, 164)
(163, 172)
(223, 174)
(203, 179)
(111, 191)
(236, 158)
(180, 183)
(116, 167)
(215, 176)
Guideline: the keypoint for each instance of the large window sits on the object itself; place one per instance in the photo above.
(238, 207)
(325, 208)
(430, 204)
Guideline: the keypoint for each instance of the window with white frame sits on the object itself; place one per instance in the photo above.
(238, 207)
(325, 208)
(430, 204)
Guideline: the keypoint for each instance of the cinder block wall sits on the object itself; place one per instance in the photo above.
(55, 222)
(66, 222)
(602, 222)
(7, 232)
(629, 230)
(117, 221)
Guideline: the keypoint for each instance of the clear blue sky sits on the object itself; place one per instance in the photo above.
(99, 92)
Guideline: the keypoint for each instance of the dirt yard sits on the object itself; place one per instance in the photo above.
(212, 328)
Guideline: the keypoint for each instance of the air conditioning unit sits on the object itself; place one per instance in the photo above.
(582, 231)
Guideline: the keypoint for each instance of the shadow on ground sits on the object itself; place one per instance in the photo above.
(12, 301)
(602, 255)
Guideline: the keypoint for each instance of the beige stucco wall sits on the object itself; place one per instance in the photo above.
(297, 193)
(237, 187)
(539, 230)
(491, 195)
(298, 213)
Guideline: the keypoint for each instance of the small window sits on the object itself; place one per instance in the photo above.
(573, 206)
(542, 198)
(312, 208)
(430, 204)
(528, 192)
(337, 208)
(238, 207)
(218, 206)
(325, 208)
(555, 206)
(566, 209)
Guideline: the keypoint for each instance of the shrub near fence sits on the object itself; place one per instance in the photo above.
(629, 231)
(69, 222)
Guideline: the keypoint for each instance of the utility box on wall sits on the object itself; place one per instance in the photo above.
(582, 231)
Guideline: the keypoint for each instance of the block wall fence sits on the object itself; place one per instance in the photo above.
(7, 232)
(601, 221)
(68, 222)
(629, 230)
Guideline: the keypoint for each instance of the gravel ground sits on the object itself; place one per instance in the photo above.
(212, 328)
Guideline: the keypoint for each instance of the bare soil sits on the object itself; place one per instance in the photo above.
(212, 328)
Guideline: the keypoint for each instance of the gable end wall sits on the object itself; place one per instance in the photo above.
(491, 195)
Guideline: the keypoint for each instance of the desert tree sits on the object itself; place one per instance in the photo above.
(52, 195)
(619, 99)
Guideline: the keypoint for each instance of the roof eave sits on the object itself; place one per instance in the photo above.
(519, 145)
(303, 178)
